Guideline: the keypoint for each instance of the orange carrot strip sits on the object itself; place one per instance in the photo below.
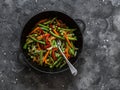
(66, 52)
(40, 37)
(42, 21)
(68, 40)
(54, 30)
(38, 46)
(45, 57)
(37, 28)
(58, 23)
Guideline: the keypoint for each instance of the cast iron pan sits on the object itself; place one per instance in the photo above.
(66, 19)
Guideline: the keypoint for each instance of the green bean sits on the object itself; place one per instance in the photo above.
(51, 59)
(55, 43)
(63, 46)
(33, 35)
(50, 21)
(57, 61)
(53, 20)
(62, 65)
(36, 40)
(70, 35)
(72, 38)
(45, 29)
(38, 51)
(52, 62)
(56, 35)
(73, 47)
(26, 44)
(66, 29)
(47, 22)
(41, 25)
(70, 30)
(71, 51)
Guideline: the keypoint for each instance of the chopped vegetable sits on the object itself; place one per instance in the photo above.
(41, 21)
(37, 28)
(55, 32)
(46, 55)
(41, 43)
(53, 53)
(68, 40)
(41, 57)
(62, 65)
(57, 61)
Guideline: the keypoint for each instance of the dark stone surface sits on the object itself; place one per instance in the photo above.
(99, 63)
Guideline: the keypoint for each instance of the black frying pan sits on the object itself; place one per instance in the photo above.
(66, 19)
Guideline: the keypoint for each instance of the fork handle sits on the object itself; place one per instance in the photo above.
(72, 68)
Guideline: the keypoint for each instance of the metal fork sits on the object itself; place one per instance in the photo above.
(72, 68)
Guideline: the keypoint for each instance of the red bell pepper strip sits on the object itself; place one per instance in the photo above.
(41, 31)
(47, 46)
(53, 53)
(58, 23)
(47, 41)
(51, 26)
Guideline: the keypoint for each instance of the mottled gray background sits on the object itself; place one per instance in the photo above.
(99, 63)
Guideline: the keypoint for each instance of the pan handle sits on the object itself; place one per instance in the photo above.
(81, 24)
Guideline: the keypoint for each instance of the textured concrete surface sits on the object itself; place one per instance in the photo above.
(99, 63)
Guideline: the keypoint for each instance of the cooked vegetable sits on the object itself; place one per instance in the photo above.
(41, 43)
(62, 65)
(41, 57)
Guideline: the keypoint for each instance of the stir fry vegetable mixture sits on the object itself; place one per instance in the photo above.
(41, 43)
